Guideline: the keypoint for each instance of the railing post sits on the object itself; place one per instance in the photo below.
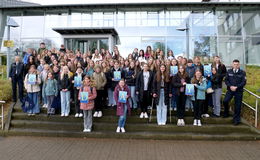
(256, 112)
(2, 114)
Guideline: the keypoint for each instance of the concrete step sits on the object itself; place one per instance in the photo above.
(72, 126)
(113, 119)
(132, 135)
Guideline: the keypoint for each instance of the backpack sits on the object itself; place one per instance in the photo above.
(27, 104)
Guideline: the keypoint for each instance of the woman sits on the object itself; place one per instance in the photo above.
(217, 87)
(87, 106)
(65, 87)
(162, 94)
(141, 57)
(122, 107)
(144, 89)
(179, 82)
(100, 79)
(148, 52)
(90, 68)
(130, 77)
(170, 55)
(32, 83)
(198, 99)
(76, 88)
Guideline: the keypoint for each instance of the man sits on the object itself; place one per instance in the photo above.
(235, 81)
(27, 55)
(16, 77)
(42, 48)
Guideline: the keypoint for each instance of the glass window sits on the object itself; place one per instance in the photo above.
(97, 19)
(32, 26)
(109, 19)
(177, 45)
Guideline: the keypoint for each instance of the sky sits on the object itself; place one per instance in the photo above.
(53, 2)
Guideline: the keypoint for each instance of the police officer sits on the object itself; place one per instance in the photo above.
(235, 81)
(16, 77)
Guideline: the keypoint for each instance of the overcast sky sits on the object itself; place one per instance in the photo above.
(50, 2)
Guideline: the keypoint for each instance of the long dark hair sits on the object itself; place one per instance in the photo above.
(184, 75)
(165, 74)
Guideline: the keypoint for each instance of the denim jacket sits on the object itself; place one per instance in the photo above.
(201, 90)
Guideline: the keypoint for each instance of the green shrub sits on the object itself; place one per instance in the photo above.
(5, 90)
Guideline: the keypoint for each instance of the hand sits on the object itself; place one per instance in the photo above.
(170, 95)
(10, 79)
(195, 85)
(113, 79)
(137, 92)
(184, 83)
(154, 95)
(127, 96)
(233, 88)
(73, 81)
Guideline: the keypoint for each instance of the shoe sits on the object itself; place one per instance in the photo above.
(163, 124)
(95, 114)
(179, 122)
(76, 115)
(123, 130)
(236, 123)
(88, 130)
(225, 115)
(62, 115)
(29, 114)
(195, 122)
(33, 114)
(66, 115)
(80, 115)
(85, 130)
(149, 107)
(199, 123)
(159, 124)
(142, 115)
(171, 108)
(117, 129)
(187, 109)
(182, 122)
(192, 110)
(206, 115)
(175, 109)
(215, 116)
(99, 114)
(145, 115)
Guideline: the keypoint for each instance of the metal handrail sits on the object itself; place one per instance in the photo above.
(255, 109)
(2, 114)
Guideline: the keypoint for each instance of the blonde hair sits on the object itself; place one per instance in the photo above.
(63, 73)
(91, 81)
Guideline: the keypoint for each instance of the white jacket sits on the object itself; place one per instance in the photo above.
(31, 88)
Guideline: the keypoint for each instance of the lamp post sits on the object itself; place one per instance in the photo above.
(187, 29)
(10, 23)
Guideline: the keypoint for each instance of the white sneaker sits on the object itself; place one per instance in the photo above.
(76, 115)
(206, 115)
(175, 109)
(182, 122)
(199, 123)
(179, 122)
(142, 115)
(88, 130)
(85, 130)
(187, 109)
(80, 115)
(145, 115)
(66, 115)
(62, 115)
(159, 124)
(117, 129)
(95, 114)
(163, 124)
(99, 114)
(195, 122)
(123, 130)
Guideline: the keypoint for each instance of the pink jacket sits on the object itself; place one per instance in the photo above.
(91, 97)
(120, 106)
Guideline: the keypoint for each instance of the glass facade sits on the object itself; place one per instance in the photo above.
(230, 32)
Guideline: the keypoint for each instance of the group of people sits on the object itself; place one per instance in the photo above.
(92, 81)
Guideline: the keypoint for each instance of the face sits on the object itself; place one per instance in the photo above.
(87, 80)
(162, 68)
(49, 75)
(198, 75)
(216, 59)
(55, 69)
(189, 64)
(145, 67)
(132, 64)
(236, 65)
(121, 83)
(65, 69)
(17, 59)
(32, 69)
(116, 65)
(97, 70)
(79, 70)
(181, 69)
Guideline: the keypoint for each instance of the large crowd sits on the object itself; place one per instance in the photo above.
(60, 78)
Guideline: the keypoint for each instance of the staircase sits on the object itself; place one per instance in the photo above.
(136, 128)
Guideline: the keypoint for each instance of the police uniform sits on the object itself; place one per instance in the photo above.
(235, 78)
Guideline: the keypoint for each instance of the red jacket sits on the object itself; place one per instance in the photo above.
(120, 106)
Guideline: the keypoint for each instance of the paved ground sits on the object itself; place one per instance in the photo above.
(38, 148)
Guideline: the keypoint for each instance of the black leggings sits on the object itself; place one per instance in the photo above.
(145, 102)
(99, 101)
(197, 106)
(76, 100)
(181, 100)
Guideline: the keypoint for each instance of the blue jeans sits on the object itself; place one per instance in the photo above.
(132, 100)
(122, 119)
(174, 103)
(161, 109)
(188, 104)
(34, 97)
(65, 102)
(111, 99)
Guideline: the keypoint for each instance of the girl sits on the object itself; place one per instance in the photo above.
(162, 94)
(122, 108)
(144, 89)
(148, 52)
(43, 76)
(90, 69)
(88, 86)
(141, 57)
(190, 70)
(217, 87)
(50, 90)
(179, 81)
(170, 55)
(79, 112)
(130, 81)
(33, 88)
(100, 79)
(65, 86)
(200, 86)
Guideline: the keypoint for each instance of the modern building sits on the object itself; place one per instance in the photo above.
(230, 30)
